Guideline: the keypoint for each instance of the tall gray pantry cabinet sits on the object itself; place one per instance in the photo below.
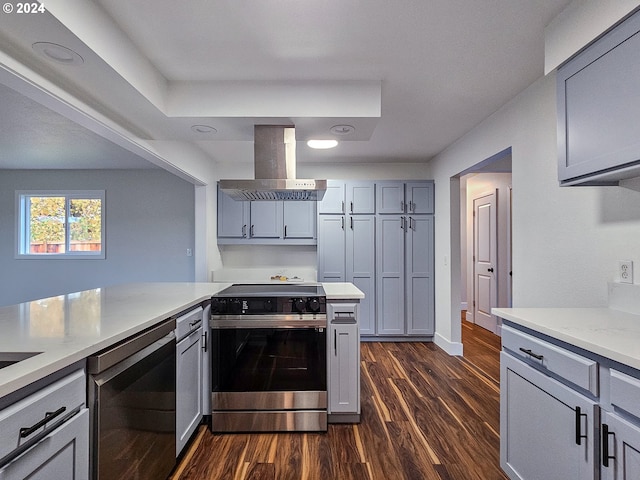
(346, 241)
(379, 236)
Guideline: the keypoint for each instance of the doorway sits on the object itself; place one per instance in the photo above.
(485, 241)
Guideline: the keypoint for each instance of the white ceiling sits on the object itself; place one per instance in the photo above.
(412, 76)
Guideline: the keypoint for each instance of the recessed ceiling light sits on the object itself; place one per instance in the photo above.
(58, 53)
(322, 144)
(203, 129)
(342, 129)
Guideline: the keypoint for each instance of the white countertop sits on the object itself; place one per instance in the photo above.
(613, 334)
(71, 327)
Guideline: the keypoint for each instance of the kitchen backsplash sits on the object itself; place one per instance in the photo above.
(262, 275)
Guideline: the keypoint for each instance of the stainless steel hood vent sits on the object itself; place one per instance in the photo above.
(274, 170)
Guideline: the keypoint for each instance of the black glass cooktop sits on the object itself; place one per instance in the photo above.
(271, 290)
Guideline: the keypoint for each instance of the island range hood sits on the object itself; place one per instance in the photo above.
(274, 170)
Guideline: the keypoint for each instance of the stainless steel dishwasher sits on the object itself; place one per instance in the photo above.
(132, 399)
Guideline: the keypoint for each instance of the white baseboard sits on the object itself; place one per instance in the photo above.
(452, 348)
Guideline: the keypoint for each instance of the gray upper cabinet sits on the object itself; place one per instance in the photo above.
(419, 197)
(266, 222)
(266, 219)
(390, 197)
(396, 197)
(598, 106)
(361, 197)
(334, 198)
(352, 197)
(299, 220)
(233, 217)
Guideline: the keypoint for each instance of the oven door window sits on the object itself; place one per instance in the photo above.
(269, 360)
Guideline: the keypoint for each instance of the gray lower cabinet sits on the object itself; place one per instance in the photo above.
(404, 275)
(598, 104)
(63, 454)
(346, 253)
(55, 448)
(620, 448)
(189, 365)
(547, 429)
(343, 358)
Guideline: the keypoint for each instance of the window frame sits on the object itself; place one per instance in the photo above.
(23, 216)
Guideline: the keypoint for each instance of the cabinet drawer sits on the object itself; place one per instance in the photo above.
(187, 322)
(625, 392)
(68, 393)
(574, 368)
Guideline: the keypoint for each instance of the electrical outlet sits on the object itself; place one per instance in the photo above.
(626, 271)
(189, 252)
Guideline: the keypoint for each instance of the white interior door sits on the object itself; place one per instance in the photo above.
(485, 255)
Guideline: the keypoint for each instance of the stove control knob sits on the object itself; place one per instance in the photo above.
(298, 305)
(313, 305)
(218, 305)
(268, 306)
(236, 306)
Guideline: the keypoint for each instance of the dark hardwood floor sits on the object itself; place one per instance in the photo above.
(425, 415)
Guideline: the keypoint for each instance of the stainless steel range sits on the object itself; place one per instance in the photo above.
(269, 366)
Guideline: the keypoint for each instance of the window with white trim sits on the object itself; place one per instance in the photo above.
(60, 224)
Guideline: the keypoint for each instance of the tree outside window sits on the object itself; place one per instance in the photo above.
(61, 224)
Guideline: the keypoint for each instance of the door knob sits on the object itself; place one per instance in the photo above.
(490, 269)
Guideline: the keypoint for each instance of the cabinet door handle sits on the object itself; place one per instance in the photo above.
(412, 206)
(204, 341)
(335, 342)
(402, 219)
(579, 435)
(342, 220)
(402, 206)
(251, 231)
(244, 230)
(351, 221)
(410, 223)
(342, 208)
(48, 416)
(490, 270)
(351, 207)
(285, 231)
(531, 354)
(605, 445)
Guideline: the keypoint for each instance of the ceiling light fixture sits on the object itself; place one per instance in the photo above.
(58, 53)
(322, 144)
(203, 129)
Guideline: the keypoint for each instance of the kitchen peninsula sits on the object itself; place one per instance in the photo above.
(44, 347)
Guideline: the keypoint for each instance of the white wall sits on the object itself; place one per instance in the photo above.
(566, 241)
(149, 225)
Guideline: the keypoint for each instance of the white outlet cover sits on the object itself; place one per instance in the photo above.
(625, 269)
